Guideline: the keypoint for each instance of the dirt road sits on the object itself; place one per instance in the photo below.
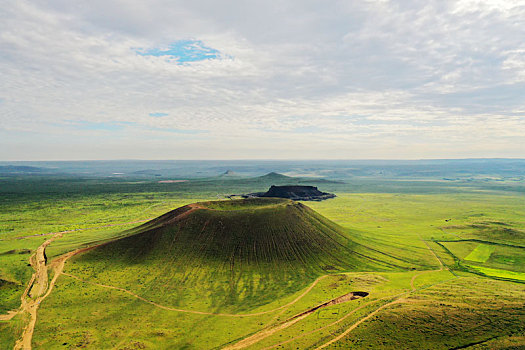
(352, 327)
(257, 337)
(38, 262)
(31, 305)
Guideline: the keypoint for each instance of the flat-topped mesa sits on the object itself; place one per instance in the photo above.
(302, 193)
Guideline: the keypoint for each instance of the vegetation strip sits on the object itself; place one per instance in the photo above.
(482, 241)
(83, 229)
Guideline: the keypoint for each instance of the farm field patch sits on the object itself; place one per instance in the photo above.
(481, 253)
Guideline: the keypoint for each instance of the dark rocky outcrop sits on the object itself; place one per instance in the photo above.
(299, 193)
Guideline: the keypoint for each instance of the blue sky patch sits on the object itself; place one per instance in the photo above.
(158, 115)
(183, 51)
(104, 126)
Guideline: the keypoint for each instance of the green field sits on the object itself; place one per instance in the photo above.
(443, 267)
(481, 253)
(520, 276)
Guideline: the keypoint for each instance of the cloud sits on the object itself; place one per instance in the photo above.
(367, 79)
(86, 125)
(176, 131)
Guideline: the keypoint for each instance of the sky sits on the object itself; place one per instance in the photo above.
(299, 79)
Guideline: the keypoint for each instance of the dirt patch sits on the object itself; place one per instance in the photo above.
(338, 300)
(171, 181)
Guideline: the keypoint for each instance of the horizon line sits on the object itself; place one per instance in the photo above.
(262, 159)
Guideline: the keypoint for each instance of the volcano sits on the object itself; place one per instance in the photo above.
(226, 255)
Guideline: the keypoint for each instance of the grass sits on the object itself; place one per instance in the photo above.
(391, 221)
(450, 315)
(520, 276)
(481, 253)
(10, 331)
(489, 259)
(235, 260)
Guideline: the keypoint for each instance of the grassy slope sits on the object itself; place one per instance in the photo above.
(463, 311)
(233, 256)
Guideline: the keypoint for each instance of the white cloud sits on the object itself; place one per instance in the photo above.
(375, 76)
(488, 5)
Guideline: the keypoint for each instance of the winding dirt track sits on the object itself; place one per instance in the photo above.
(35, 288)
(31, 305)
(257, 337)
(354, 326)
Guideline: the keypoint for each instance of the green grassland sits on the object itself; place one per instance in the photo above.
(11, 330)
(506, 274)
(461, 312)
(385, 238)
(481, 253)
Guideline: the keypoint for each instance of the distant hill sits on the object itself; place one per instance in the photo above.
(279, 178)
(147, 172)
(21, 169)
(271, 178)
(229, 174)
(274, 176)
(227, 255)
